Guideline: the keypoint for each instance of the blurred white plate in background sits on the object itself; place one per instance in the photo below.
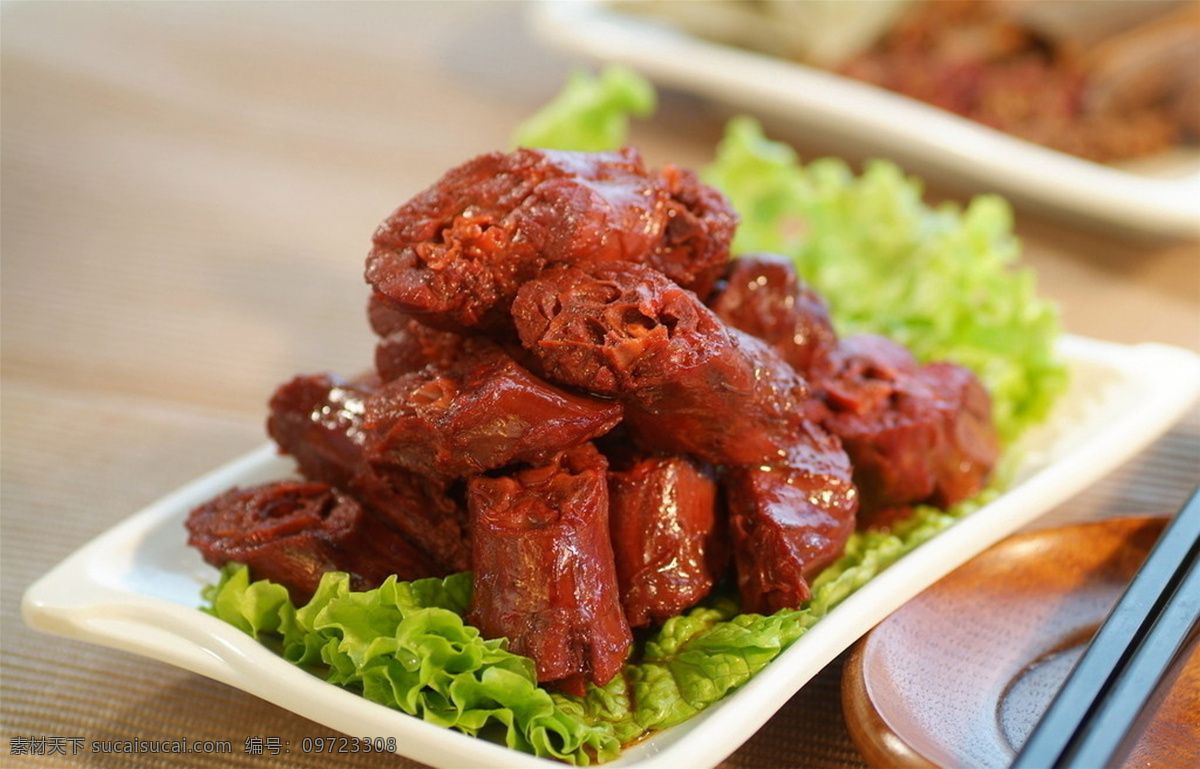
(1159, 196)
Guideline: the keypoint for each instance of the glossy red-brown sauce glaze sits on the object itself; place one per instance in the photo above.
(668, 534)
(544, 572)
(533, 305)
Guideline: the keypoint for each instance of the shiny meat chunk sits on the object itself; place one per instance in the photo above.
(383, 316)
(483, 412)
(745, 407)
(544, 576)
(689, 384)
(971, 445)
(405, 344)
(318, 421)
(668, 536)
(694, 248)
(788, 522)
(614, 329)
(414, 347)
(455, 255)
(915, 434)
(292, 532)
(762, 295)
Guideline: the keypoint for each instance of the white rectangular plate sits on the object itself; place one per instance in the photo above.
(136, 587)
(1159, 196)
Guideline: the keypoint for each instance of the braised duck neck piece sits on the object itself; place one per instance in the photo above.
(292, 532)
(455, 255)
(318, 421)
(689, 383)
(762, 295)
(483, 412)
(668, 535)
(789, 521)
(544, 574)
(915, 434)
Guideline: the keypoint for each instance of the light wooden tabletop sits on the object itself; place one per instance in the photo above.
(189, 190)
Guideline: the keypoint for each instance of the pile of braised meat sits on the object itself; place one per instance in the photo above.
(578, 396)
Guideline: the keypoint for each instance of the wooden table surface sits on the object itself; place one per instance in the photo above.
(188, 193)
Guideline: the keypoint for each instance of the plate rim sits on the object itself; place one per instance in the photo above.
(75, 599)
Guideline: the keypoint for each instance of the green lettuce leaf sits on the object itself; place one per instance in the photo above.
(591, 113)
(942, 281)
(259, 609)
(405, 645)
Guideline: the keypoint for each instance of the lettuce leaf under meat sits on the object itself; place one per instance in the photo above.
(405, 645)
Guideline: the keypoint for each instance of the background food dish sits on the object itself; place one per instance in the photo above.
(1158, 195)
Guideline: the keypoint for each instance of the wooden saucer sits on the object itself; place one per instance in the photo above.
(958, 676)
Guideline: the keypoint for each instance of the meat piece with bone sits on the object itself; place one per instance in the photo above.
(405, 344)
(292, 532)
(543, 568)
(455, 255)
(762, 295)
(483, 412)
(318, 420)
(915, 434)
(789, 521)
(689, 384)
(668, 535)
(414, 347)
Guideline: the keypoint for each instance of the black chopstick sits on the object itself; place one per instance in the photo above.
(1092, 714)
